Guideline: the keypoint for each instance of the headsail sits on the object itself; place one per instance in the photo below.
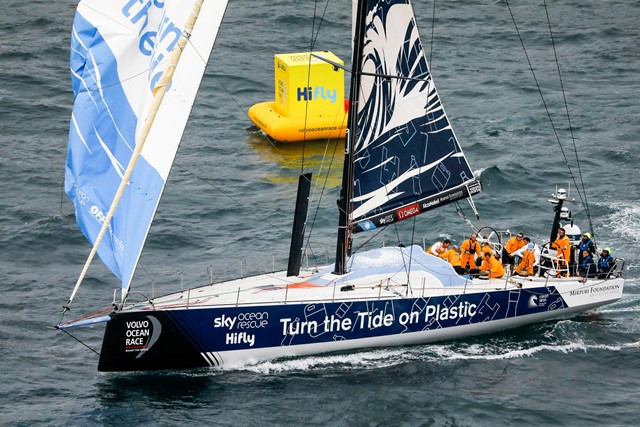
(119, 50)
(406, 157)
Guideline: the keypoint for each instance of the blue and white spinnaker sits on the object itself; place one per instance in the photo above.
(119, 51)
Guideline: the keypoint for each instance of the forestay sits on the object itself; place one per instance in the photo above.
(406, 156)
(119, 50)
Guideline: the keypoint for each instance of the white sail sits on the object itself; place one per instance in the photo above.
(119, 51)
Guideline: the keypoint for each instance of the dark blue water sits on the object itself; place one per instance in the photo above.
(231, 195)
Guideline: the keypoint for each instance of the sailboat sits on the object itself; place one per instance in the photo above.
(402, 159)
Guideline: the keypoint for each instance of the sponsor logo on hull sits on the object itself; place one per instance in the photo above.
(246, 328)
(598, 290)
(202, 337)
(141, 335)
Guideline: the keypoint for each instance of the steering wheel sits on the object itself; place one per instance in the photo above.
(492, 236)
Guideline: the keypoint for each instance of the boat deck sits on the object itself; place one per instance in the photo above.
(277, 288)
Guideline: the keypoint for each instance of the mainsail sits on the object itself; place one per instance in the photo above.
(406, 157)
(119, 51)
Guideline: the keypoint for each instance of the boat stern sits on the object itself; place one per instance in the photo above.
(594, 293)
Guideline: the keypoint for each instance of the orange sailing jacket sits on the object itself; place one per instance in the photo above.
(527, 262)
(469, 258)
(513, 244)
(452, 256)
(563, 246)
(494, 266)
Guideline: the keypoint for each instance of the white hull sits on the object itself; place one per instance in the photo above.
(271, 316)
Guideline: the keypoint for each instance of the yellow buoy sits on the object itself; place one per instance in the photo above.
(309, 99)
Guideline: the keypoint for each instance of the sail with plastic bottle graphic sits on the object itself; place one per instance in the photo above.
(406, 156)
(119, 50)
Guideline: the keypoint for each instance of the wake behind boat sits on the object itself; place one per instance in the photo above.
(402, 159)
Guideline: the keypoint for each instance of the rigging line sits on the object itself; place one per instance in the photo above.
(145, 71)
(311, 47)
(321, 167)
(86, 316)
(149, 276)
(352, 143)
(240, 204)
(324, 186)
(407, 269)
(210, 68)
(306, 104)
(223, 274)
(566, 106)
(67, 332)
(120, 81)
(423, 154)
(246, 113)
(433, 27)
(544, 103)
(373, 236)
(413, 235)
(324, 12)
(425, 146)
(369, 74)
(315, 189)
(306, 100)
(395, 77)
(460, 212)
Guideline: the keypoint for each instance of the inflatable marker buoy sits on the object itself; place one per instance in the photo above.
(309, 99)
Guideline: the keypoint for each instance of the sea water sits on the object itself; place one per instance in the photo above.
(228, 209)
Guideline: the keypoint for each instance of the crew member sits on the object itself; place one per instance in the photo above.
(486, 248)
(605, 263)
(525, 268)
(585, 244)
(588, 266)
(453, 256)
(492, 266)
(512, 245)
(563, 245)
(470, 248)
(438, 248)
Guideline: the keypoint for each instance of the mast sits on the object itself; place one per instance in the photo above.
(558, 200)
(344, 202)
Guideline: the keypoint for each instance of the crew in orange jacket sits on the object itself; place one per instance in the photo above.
(470, 248)
(512, 245)
(492, 266)
(528, 260)
(453, 257)
(563, 245)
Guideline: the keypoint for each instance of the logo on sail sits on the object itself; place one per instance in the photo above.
(156, 42)
(408, 211)
(141, 335)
